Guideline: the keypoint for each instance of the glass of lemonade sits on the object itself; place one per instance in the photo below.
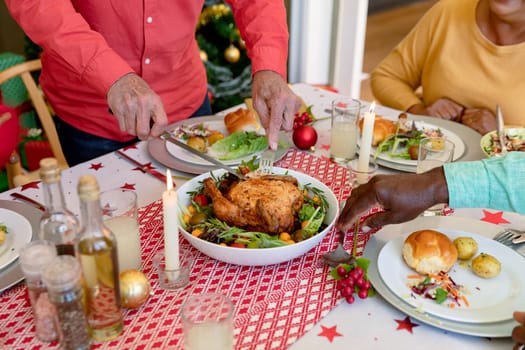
(434, 152)
(119, 210)
(343, 135)
(207, 322)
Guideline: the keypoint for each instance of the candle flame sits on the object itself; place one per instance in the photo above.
(169, 180)
(372, 107)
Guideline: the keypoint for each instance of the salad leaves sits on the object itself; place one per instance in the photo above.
(237, 145)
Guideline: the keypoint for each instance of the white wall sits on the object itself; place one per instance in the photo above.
(327, 39)
(310, 41)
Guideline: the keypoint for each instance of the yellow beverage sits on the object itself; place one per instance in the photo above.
(126, 231)
(343, 144)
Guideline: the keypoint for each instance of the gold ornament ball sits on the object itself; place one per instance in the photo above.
(134, 288)
(232, 54)
(204, 55)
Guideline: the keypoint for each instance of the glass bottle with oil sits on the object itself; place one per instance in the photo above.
(58, 224)
(97, 250)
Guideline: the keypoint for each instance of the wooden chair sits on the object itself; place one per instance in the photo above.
(23, 70)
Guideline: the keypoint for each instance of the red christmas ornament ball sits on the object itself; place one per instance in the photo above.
(304, 137)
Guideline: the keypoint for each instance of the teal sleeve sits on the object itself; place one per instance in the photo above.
(496, 183)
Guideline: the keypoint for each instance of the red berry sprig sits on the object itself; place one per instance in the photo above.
(303, 118)
(352, 279)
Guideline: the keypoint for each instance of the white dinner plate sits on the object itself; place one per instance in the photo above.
(410, 165)
(19, 232)
(12, 273)
(390, 232)
(157, 148)
(191, 158)
(490, 299)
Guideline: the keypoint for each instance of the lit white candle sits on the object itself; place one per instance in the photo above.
(366, 144)
(170, 208)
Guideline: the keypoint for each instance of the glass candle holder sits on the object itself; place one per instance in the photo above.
(175, 278)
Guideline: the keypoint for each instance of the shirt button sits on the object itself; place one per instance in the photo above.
(147, 61)
(149, 19)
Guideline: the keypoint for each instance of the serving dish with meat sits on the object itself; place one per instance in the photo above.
(263, 220)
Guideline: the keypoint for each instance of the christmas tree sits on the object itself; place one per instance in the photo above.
(224, 54)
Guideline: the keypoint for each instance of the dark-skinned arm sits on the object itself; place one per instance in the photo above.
(402, 197)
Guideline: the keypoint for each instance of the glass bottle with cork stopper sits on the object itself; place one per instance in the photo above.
(97, 250)
(58, 224)
(62, 279)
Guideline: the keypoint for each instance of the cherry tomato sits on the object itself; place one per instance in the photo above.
(201, 200)
(237, 245)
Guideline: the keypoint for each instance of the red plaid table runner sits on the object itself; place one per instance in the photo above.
(274, 305)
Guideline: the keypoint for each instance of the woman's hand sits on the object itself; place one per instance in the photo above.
(481, 120)
(275, 103)
(134, 104)
(445, 109)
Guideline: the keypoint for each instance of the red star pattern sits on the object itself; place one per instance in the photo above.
(133, 146)
(405, 324)
(32, 184)
(325, 146)
(495, 218)
(96, 166)
(330, 333)
(127, 186)
(108, 210)
(145, 167)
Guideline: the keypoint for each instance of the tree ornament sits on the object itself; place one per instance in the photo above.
(304, 136)
(242, 44)
(204, 55)
(232, 54)
(134, 288)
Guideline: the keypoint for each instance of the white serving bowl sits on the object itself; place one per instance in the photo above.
(486, 141)
(260, 256)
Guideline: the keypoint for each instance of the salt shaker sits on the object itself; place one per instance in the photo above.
(62, 278)
(34, 257)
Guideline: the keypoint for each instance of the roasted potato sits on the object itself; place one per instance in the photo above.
(467, 247)
(486, 266)
(198, 143)
(413, 152)
(3, 231)
(214, 137)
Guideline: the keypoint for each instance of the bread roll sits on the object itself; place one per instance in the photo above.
(429, 251)
(241, 120)
(382, 129)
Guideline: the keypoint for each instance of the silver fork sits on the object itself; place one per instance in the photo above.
(266, 162)
(510, 236)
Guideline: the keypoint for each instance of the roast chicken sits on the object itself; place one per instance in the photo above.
(268, 203)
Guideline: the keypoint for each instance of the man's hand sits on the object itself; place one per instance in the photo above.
(275, 103)
(518, 333)
(134, 104)
(402, 197)
(481, 120)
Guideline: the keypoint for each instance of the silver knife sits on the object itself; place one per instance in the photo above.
(167, 137)
(501, 131)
